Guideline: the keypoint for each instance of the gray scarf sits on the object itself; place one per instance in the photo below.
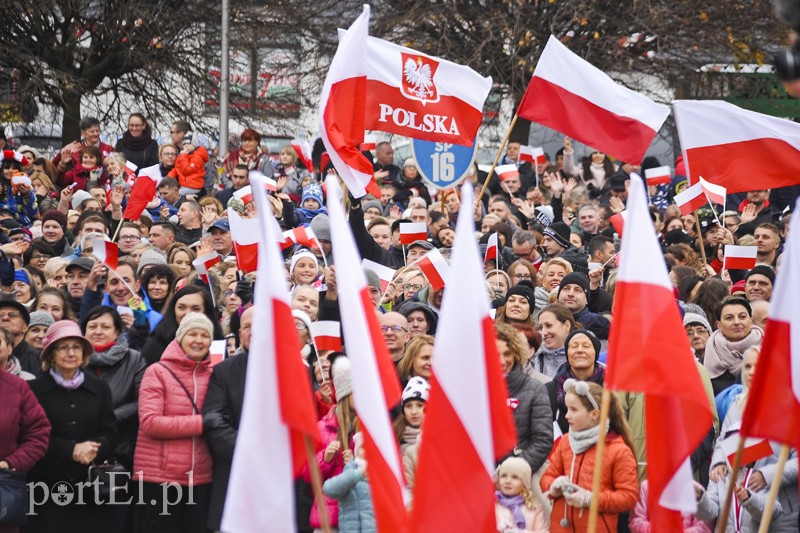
(580, 441)
(549, 361)
(722, 355)
(112, 356)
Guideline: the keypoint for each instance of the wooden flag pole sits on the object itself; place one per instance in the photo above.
(700, 238)
(722, 520)
(496, 159)
(116, 232)
(766, 517)
(605, 407)
(316, 485)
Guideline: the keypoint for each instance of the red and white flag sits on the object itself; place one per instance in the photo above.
(131, 165)
(658, 175)
(302, 235)
(142, 193)
(370, 143)
(269, 184)
(739, 149)
(303, 149)
(420, 96)
(244, 233)
(468, 425)
(773, 403)
(435, 268)
(491, 248)
(376, 388)
(691, 199)
(532, 154)
(647, 332)
(245, 194)
(327, 335)
(342, 107)
(754, 449)
(507, 171)
(572, 96)
(385, 273)
(106, 252)
(277, 402)
(413, 231)
(740, 257)
(714, 193)
(618, 221)
(204, 263)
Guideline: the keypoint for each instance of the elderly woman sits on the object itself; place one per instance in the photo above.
(78, 405)
(171, 448)
(725, 347)
(249, 154)
(409, 184)
(582, 349)
(527, 398)
(120, 367)
(24, 288)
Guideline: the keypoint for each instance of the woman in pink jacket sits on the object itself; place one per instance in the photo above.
(170, 449)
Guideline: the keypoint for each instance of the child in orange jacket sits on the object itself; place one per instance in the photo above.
(190, 169)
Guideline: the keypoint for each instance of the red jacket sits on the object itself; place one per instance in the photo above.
(190, 169)
(170, 442)
(80, 174)
(24, 427)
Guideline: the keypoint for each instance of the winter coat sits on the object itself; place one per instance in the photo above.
(368, 248)
(222, 411)
(81, 175)
(535, 521)
(82, 414)
(143, 152)
(24, 428)
(639, 521)
(351, 489)
(597, 324)
(170, 443)
(619, 485)
(28, 358)
(533, 417)
(190, 169)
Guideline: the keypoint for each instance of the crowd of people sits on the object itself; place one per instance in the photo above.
(114, 370)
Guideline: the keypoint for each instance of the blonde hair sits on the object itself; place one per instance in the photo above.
(413, 349)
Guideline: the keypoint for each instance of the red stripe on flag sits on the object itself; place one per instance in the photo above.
(504, 432)
(246, 256)
(388, 375)
(739, 263)
(385, 491)
(326, 342)
(142, 193)
(618, 222)
(431, 273)
(551, 105)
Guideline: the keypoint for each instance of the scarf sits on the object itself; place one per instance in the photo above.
(59, 246)
(513, 504)
(72, 384)
(598, 174)
(311, 213)
(136, 143)
(722, 355)
(549, 361)
(580, 441)
(248, 159)
(409, 437)
(12, 366)
(112, 355)
(565, 372)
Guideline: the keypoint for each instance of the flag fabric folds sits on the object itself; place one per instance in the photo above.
(142, 193)
(106, 252)
(203, 263)
(491, 248)
(507, 171)
(658, 175)
(385, 273)
(691, 199)
(435, 268)
(244, 233)
(327, 335)
(650, 353)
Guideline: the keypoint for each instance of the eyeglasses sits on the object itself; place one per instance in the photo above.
(396, 329)
(227, 293)
(699, 332)
(169, 154)
(521, 276)
(409, 287)
(129, 237)
(10, 314)
(66, 348)
(39, 256)
(522, 255)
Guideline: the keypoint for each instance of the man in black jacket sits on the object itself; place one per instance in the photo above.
(15, 317)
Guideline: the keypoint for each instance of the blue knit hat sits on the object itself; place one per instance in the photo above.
(313, 192)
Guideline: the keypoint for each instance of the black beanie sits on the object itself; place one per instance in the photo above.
(521, 290)
(764, 270)
(559, 232)
(575, 278)
(592, 337)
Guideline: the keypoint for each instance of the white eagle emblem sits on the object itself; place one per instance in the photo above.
(418, 79)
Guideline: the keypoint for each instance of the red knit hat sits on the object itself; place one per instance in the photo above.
(738, 286)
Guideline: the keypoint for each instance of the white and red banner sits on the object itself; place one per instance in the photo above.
(385, 273)
(468, 425)
(532, 154)
(245, 194)
(714, 193)
(579, 100)
(370, 143)
(618, 221)
(376, 388)
(106, 252)
(658, 175)
(342, 110)
(269, 184)
(753, 450)
(691, 199)
(506, 171)
(327, 335)
(773, 403)
(204, 263)
(413, 231)
(435, 268)
(740, 257)
(302, 235)
(647, 324)
(739, 149)
(491, 248)
(244, 233)
(303, 149)
(277, 402)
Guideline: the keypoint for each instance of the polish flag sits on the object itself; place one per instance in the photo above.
(304, 236)
(773, 403)
(468, 425)
(204, 263)
(714, 193)
(421, 96)
(216, 353)
(570, 95)
(413, 231)
(491, 248)
(507, 171)
(738, 149)
(131, 165)
(658, 175)
(647, 332)
(269, 184)
(142, 193)
(303, 149)
(754, 449)
(106, 252)
(385, 273)
(618, 221)
(327, 335)
(435, 268)
(740, 257)
(370, 143)
(244, 233)
(245, 194)
(324, 161)
(277, 402)
(691, 199)
(376, 388)
(532, 154)
(342, 108)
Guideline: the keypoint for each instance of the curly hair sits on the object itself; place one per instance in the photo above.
(511, 336)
